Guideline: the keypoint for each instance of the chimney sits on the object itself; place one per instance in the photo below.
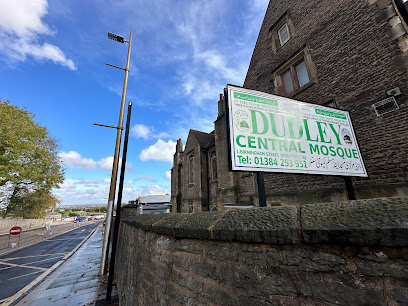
(221, 106)
(179, 146)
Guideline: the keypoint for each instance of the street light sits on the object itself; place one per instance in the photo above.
(119, 129)
(116, 37)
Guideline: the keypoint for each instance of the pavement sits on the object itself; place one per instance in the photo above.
(76, 281)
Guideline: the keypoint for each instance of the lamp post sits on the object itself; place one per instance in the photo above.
(119, 128)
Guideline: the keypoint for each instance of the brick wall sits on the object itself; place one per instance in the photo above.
(341, 253)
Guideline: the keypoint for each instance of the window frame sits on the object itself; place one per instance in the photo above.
(290, 66)
(191, 170)
(275, 31)
(213, 160)
(289, 70)
(279, 33)
(294, 76)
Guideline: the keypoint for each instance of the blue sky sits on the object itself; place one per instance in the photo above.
(52, 61)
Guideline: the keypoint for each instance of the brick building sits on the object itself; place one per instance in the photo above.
(347, 54)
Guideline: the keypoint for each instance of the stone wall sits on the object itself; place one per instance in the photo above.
(25, 224)
(359, 50)
(340, 253)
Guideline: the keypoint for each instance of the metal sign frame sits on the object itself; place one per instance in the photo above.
(269, 133)
(15, 231)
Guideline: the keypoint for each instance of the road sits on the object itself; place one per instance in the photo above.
(20, 268)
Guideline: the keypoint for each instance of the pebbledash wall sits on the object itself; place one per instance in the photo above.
(340, 253)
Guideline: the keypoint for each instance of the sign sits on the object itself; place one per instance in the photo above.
(269, 133)
(16, 230)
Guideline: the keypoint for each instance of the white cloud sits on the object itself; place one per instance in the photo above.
(167, 175)
(161, 150)
(140, 131)
(150, 190)
(105, 163)
(216, 62)
(78, 191)
(74, 160)
(20, 28)
(146, 132)
(259, 5)
(146, 178)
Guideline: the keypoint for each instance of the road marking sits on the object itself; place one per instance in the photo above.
(25, 275)
(36, 256)
(26, 264)
(42, 260)
(52, 240)
(11, 299)
(19, 266)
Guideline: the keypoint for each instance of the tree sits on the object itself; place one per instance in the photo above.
(29, 161)
(33, 204)
(64, 213)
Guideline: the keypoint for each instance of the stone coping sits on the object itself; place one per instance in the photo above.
(371, 222)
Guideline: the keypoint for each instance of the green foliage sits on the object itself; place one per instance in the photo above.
(74, 214)
(64, 213)
(29, 162)
(96, 209)
(31, 205)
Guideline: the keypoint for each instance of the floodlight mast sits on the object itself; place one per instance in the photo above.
(112, 189)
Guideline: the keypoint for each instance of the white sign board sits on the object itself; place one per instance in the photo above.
(268, 133)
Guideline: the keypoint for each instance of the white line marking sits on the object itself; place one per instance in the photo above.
(12, 258)
(25, 275)
(11, 299)
(20, 266)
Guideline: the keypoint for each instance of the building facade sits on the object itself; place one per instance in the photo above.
(348, 54)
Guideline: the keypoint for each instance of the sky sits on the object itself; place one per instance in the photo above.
(52, 61)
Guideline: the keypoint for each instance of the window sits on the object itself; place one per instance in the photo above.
(283, 34)
(295, 74)
(213, 162)
(190, 208)
(295, 77)
(191, 170)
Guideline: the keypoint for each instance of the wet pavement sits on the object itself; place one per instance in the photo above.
(75, 282)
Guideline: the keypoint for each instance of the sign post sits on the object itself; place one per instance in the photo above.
(269, 133)
(15, 231)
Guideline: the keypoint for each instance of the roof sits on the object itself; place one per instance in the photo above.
(205, 140)
(151, 199)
